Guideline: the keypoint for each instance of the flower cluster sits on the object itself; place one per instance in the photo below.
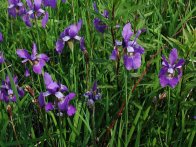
(171, 72)
(6, 91)
(93, 95)
(61, 101)
(33, 12)
(131, 49)
(38, 61)
(70, 33)
(100, 25)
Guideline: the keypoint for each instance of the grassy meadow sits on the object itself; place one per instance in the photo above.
(127, 107)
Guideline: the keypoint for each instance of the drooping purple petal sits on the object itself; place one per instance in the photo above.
(173, 56)
(41, 100)
(49, 107)
(173, 82)
(1, 37)
(63, 88)
(59, 46)
(82, 44)
(2, 60)
(43, 56)
(99, 25)
(37, 68)
(27, 73)
(27, 20)
(71, 110)
(23, 53)
(45, 20)
(114, 54)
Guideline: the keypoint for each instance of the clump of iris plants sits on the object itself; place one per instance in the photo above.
(7, 93)
(132, 51)
(100, 26)
(171, 72)
(60, 101)
(36, 60)
(35, 12)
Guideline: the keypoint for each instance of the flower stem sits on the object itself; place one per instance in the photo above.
(93, 127)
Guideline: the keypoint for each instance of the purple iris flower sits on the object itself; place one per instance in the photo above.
(100, 25)
(69, 33)
(35, 12)
(57, 90)
(15, 8)
(132, 50)
(6, 91)
(171, 72)
(2, 60)
(1, 37)
(38, 61)
(93, 95)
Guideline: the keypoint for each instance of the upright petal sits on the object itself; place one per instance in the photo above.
(105, 13)
(127, 33)
(165, 63)
(79, 24)
(22, 53)
(173, 56)
(45, 20)
(73, 31)
(47, 79)
(37, 4)
(34, 50)
(94, 89)
(29, 3)
(95, 7)
(179, 64)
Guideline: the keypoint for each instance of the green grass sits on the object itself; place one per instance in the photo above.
(145, 120)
